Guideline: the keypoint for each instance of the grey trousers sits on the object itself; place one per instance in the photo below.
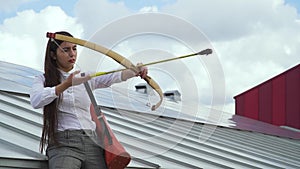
(77, 149)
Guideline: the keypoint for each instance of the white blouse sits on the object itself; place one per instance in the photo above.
(74, 106)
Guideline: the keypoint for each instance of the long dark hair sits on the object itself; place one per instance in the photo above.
(52, 78)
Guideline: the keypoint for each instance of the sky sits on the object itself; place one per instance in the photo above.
(252, 40)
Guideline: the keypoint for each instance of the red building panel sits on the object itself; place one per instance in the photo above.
(265, 102)
(251, 104)
(293, 98)
(276, 101)
(240, 105)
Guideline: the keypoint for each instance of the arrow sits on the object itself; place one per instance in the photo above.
(203, 52)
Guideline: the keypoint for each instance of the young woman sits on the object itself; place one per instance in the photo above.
(69, 131)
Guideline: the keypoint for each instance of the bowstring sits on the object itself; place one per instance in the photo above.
(54, 41)
(107, 86)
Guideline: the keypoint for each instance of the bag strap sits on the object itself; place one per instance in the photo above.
(98, 111)
(97, 108)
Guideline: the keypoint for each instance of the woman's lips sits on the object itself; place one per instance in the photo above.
(72, 60)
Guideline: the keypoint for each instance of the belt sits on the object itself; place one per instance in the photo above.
(68, 133)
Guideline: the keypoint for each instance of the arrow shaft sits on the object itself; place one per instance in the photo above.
(148, 64)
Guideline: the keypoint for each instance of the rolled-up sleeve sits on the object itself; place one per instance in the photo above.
(41, 96)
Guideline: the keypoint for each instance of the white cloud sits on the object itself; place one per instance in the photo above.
(97, 13)
(253, 59)
(149, 9)
(223, 20)
(23, 37)
(254, 39)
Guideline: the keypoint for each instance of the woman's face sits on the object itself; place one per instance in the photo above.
(66, 56)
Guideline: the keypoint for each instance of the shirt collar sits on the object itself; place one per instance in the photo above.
(66, 74)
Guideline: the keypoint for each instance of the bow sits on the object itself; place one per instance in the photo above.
(115, 56)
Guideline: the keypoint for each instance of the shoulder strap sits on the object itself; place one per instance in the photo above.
(98, 112)
(97, 108)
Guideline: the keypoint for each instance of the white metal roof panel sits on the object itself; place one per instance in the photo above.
(171, 139)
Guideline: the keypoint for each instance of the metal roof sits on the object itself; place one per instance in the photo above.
(169, 139)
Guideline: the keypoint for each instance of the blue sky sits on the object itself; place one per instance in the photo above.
(295, 3)
(68, 6)
(36, 5)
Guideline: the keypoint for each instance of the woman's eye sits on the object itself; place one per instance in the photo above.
(66, 50)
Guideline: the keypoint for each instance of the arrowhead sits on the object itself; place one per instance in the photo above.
(205, 52)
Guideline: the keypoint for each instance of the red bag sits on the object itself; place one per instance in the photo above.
(116, 157)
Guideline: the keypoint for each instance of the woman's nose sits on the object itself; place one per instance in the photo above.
(72, 53)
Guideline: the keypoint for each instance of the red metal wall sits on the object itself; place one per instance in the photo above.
(276, 101)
